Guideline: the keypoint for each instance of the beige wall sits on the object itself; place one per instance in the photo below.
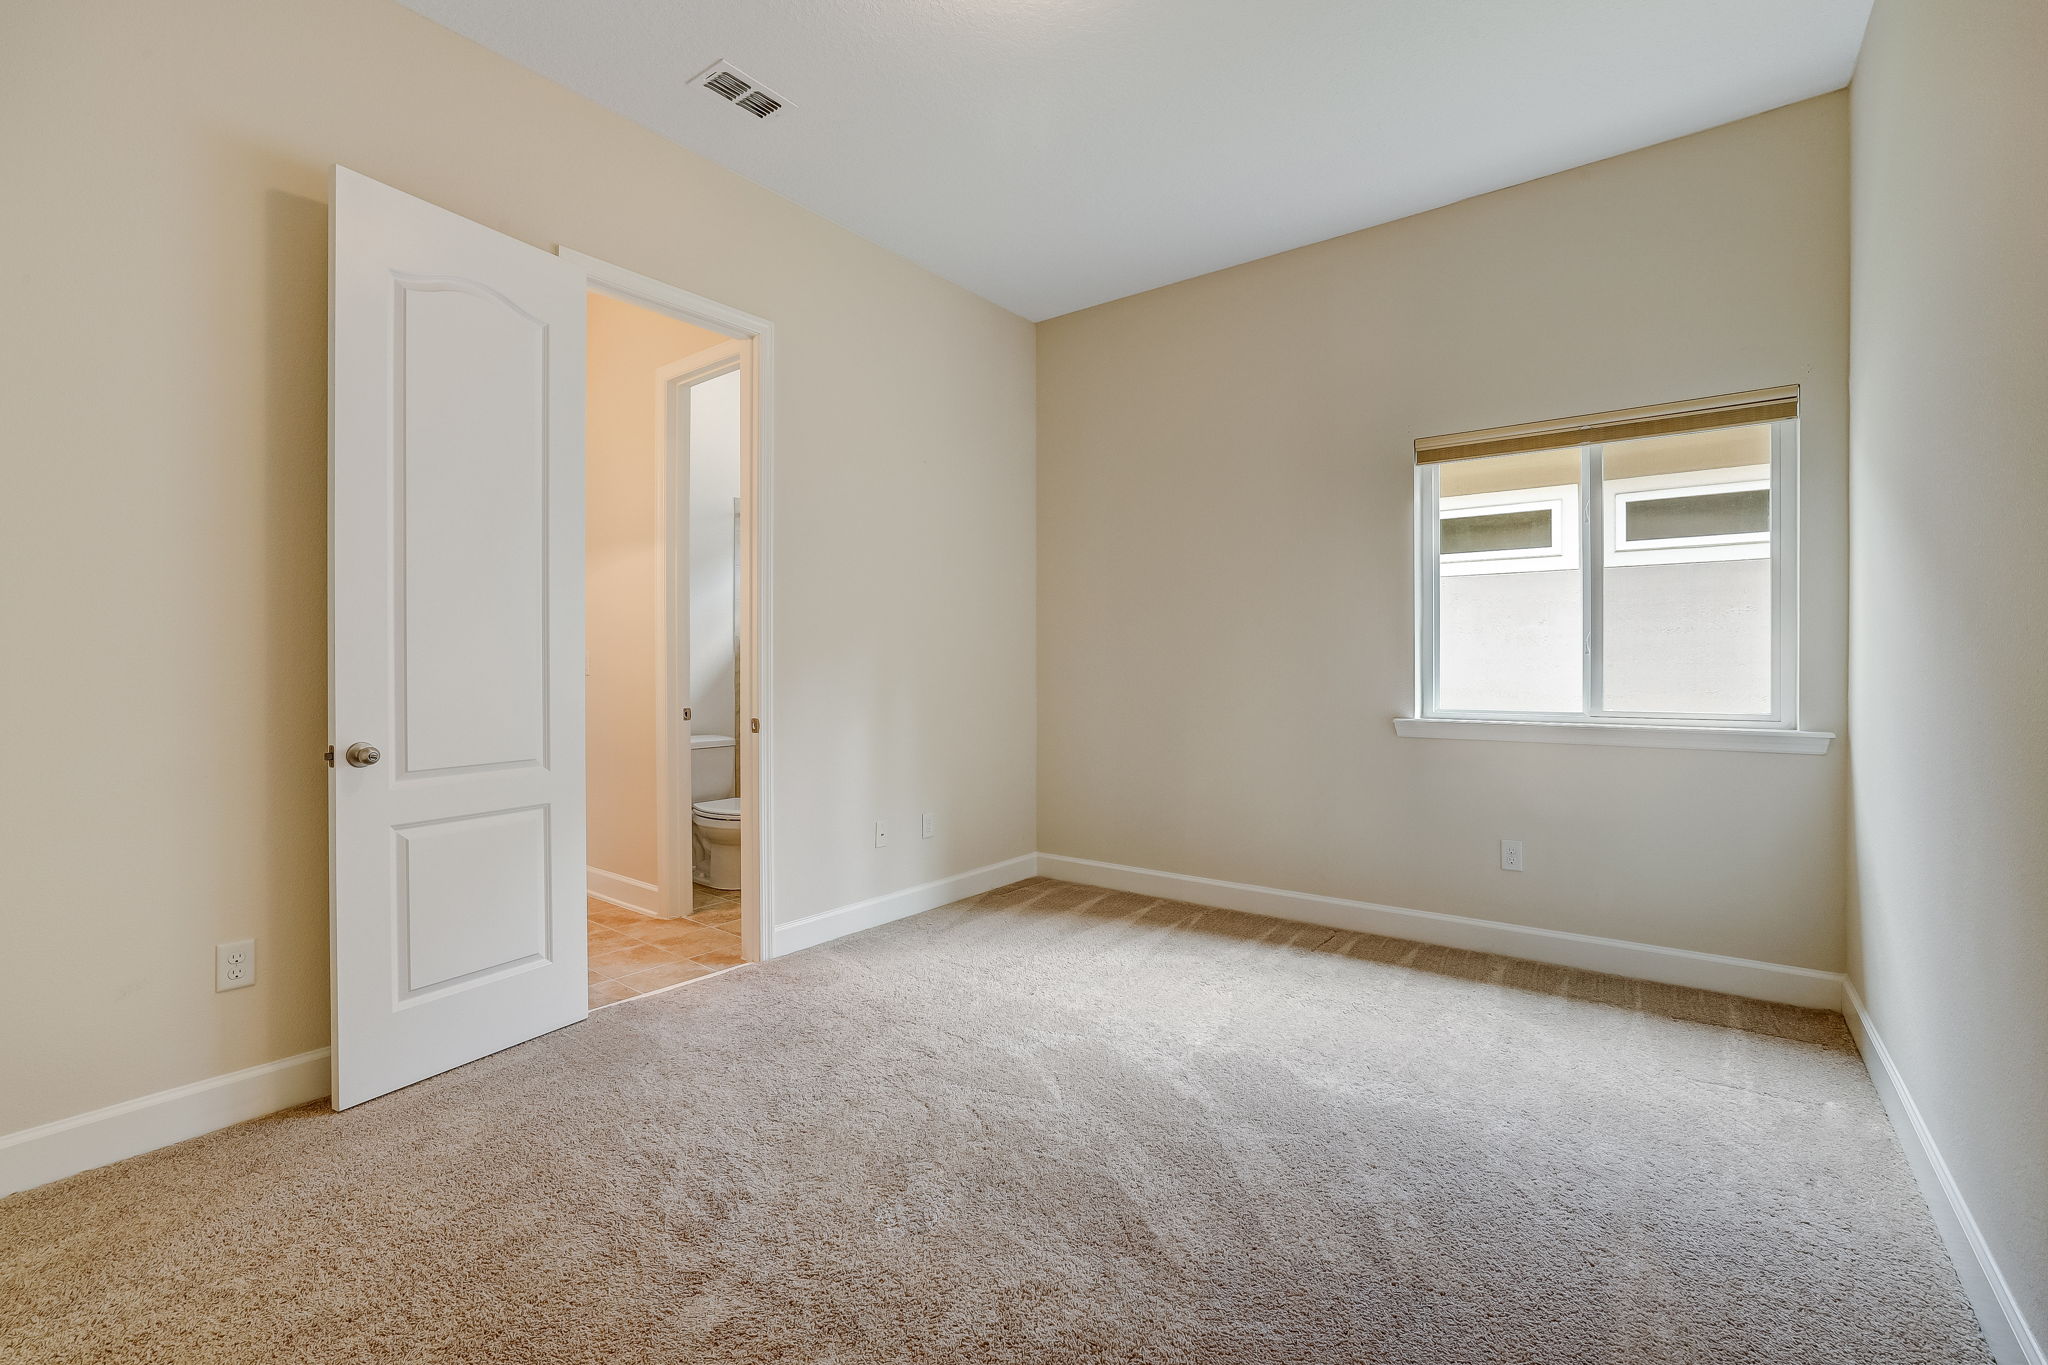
(1225, 491)
(162, 593)
(1949, 484)
(623, 555)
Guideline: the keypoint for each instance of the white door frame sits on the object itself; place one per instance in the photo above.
(674, 758)
(756, 337)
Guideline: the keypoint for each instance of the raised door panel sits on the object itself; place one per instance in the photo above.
(473, 900)
(472, 479)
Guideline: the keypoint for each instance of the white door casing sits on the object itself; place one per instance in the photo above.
(675, 826)
(455, 546)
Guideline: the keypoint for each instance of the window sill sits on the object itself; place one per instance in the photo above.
(1629, 736)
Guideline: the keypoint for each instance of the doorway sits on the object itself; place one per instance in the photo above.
(670, 840)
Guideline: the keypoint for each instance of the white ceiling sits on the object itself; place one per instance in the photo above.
(1052, 154)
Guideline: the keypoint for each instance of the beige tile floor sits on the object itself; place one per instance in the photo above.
(632, 954)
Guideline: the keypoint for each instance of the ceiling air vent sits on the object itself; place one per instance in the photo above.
(739, 88)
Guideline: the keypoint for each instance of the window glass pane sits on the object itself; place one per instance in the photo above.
(1510, 636)
(1686, 587)
(1697, 514)
(1480, 532)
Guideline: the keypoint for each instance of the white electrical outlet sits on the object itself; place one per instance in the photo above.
(234, 965)
(931, 824)
(881, 835)
(1511, 855)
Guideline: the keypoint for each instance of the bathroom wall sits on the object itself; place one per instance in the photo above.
(1226, 485)
(162, 533)
(714, 486)
(623, 560)
(1949, 488)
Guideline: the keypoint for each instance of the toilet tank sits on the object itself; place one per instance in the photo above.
(714, 770)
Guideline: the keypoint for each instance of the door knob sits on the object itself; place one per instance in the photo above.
(362, 755)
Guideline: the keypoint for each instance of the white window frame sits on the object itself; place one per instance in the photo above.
(1776, 729)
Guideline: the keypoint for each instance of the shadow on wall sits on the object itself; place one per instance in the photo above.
(280, 741)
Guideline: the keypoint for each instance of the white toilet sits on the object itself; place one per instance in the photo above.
(715, 812)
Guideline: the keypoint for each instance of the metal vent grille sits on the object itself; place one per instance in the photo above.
(738, 88)
(727, 84)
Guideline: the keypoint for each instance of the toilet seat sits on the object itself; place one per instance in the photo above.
(721, 812)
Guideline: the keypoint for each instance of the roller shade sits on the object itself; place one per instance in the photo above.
(1663, 419)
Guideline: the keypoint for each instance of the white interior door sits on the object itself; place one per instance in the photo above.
(455, 546)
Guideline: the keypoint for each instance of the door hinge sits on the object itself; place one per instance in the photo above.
(755, 725)
(330, 755)
(686, 713)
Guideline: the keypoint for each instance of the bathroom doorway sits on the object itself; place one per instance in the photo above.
(672, 613)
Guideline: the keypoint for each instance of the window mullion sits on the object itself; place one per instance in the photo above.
(1427, 565)
(1592, 554)
(1784, 539)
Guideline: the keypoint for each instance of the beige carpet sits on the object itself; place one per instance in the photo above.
(1049, 1125)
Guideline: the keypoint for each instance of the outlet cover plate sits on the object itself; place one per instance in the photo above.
(234, 964)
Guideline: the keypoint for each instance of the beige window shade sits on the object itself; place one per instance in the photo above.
(1664, 419)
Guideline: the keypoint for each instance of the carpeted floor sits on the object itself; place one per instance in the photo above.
(1047, 1125)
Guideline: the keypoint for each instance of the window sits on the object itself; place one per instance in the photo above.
(1510, 533)
(1674, 518)
(1642, 577)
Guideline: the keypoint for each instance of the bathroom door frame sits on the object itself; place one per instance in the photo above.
(755, 344)
(675, 760)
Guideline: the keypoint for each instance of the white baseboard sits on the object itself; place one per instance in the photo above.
(2006, 1330)
(36, 1156)
(1644, 961)
(849, 919)
(625, 892)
